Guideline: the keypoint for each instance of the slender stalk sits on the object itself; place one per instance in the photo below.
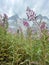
(43, 50)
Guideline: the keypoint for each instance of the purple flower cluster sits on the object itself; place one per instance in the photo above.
(26, 23)
(30, 14)
(43, 26)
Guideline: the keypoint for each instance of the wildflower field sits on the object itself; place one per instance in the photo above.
(21, 49)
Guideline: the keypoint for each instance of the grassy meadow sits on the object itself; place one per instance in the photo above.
(17, 50)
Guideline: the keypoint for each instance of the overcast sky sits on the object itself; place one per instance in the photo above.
(19, 7)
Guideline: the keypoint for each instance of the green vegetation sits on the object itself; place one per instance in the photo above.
(17, 50)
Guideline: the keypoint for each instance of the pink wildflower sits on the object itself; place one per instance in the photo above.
(26, 23)
(42, 26)
(30, 14)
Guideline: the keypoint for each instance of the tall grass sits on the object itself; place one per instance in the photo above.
(17, 50)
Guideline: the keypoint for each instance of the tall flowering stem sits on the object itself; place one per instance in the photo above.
(32, 17)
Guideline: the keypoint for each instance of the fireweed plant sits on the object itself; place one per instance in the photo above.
(19, 50)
